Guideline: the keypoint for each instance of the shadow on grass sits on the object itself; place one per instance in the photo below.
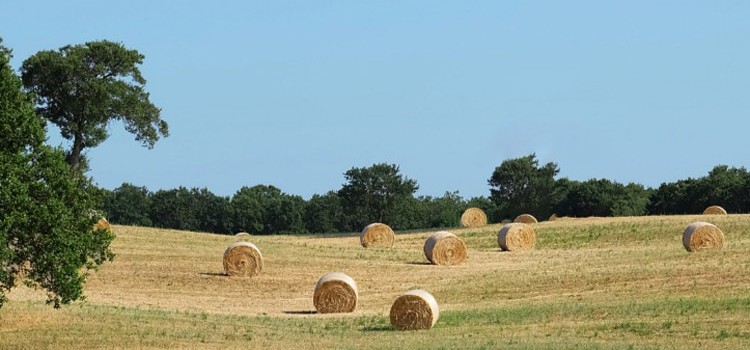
(418, 263)
(300, 312)
(378, 328)
(220, 274)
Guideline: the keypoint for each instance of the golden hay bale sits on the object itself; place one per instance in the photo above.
(553, 217)
(445, 248)
(525, 219)
(415, 309)
(473, 217)
(516, 236)
(103, 224)
(335, 292)
(702, 235)
(714, 210)
(243, 259)
(377, 235)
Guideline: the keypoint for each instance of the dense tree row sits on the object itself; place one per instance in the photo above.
(372, 194)
(379, 193)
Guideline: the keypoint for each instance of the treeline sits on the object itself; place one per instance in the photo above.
(379, 193)
(372, 194)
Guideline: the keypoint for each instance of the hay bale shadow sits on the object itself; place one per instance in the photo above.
(378, 328)
(212, 274)
(300, 312)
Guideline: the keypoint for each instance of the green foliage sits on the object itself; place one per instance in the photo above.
(376, 194)
(47, 238)
(213, 213)
(442, 211)
(724, 186)
(324, 214)
(265, 209)
(521, 186)
(602, 197)
(175, 208)
(82, 88)
(128, 205)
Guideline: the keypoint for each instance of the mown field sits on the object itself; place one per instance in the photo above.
(615, 283)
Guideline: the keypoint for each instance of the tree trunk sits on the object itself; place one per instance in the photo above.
(74, 157)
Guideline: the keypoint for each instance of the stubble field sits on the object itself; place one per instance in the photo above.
(590, 283)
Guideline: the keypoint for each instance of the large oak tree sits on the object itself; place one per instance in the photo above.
(82, 88)
(47, 238)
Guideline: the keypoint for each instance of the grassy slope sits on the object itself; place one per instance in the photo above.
(591, 283)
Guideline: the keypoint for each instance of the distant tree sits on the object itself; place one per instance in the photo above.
(633, 201)
(602, 197)
(247, 211)
(47, 237)
(375, 194)
(175, 209)
(128, 205)
(213, 213)
(442, 211)
(725, 186)
(82, 88)
(266, 210)
(324, 214)
(521, 186)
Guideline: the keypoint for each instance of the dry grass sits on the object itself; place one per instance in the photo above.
(590, 283)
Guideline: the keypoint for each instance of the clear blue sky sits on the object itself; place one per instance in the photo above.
(293, 94)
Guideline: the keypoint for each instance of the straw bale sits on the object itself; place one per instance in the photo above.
(445, 248)
(377, 235)
(516, 236)
(525, 219)
(243, 259)
(415, 309)
(714, 210)
(702, 236)
(103, 224)
(473, 217)
(335, 292)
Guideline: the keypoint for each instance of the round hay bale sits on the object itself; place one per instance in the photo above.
(701, 236)
(243, 259)
(241, 236)
(415, 309)
(553, 217)
(335, 292)
(525, 219)
(377, 235)
(103, 224)
(516, 236)
(714, 210)
(445, 248)
(473, 217)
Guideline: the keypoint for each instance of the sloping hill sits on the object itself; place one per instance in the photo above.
(599, 282)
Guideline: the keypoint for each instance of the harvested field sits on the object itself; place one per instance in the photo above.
(595, 282)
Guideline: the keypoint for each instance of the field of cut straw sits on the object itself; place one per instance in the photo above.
(588, 283)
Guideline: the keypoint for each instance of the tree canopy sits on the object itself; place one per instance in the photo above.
(46, 217)
(375, 194)
(521, 186)
(82, 88)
